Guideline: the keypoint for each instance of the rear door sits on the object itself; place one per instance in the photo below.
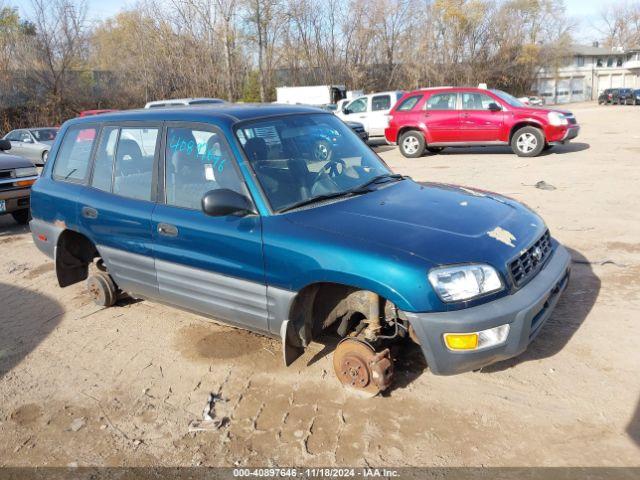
(115, 211)
(477, 122)
(211, 265)
(442, 118)
(380, 107)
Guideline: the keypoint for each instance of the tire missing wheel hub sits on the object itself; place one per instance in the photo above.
(358, 366)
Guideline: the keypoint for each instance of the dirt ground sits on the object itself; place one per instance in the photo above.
(81, 385)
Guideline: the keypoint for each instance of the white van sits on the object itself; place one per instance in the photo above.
(371, 110)
(180, 102)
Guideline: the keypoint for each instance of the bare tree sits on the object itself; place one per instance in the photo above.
(61, 34)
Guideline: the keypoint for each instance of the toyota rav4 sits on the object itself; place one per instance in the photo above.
(432, 119)
(230, 212)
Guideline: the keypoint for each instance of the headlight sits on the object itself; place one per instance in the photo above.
(477, 340)
(464, 282)
(557, 119)
(26, 172)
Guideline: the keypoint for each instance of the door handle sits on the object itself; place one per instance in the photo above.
(167, 230)
(88, 212)
(465, 115)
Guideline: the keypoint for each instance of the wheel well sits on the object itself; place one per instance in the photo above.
(518, 126)
(74, 254)
(403, 130)
(322, 305)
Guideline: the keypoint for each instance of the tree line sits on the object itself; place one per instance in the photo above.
(57, 62)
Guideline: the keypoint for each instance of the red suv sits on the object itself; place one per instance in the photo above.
(434, 118)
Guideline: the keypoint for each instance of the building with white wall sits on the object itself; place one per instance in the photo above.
(588, 71)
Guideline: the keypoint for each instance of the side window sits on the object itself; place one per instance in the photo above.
(380, 102)
(14, 136)
(197, 161)
(358, 106)
(442, 101)
(72, 160)
(408, 103)
(476, 101)
(25, 136)
(103, 163)
(133, 170)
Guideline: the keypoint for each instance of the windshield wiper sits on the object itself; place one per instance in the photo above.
(360, 189)
(385, 176)
(319, 198)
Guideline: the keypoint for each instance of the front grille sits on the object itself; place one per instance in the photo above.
(572, 120)
(6, 174)
(529, 263)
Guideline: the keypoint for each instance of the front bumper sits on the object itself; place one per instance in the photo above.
(525, 311)
(15, 199)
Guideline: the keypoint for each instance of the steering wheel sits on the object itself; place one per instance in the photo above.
(330, 169)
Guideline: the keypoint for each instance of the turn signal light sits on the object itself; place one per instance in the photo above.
(461, 341)
(25, 183)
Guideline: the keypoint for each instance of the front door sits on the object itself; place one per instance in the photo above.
(441, 118)
(210, 265)
(115, 212)
(358, 111)
(477, 122)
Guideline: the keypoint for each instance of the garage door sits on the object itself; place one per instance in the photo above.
(577, 89)
(616, 81)
(562, 90)
(546, 90)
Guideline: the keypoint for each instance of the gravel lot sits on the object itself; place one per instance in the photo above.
(120, 386)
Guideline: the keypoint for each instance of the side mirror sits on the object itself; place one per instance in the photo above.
(346, 111)
(494, 107)
(5, 145)
(223, 202)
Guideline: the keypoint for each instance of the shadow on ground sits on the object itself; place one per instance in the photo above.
(9, 227)
(506, 150)
(26, 318)
(570, 313)
(633, 429)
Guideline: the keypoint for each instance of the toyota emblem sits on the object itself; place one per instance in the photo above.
(537, 254)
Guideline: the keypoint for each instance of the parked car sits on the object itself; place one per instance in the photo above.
(359, 130)
(435, 118)
(371, 110)
(229, 215)
(607, 95)
(33, 144)
(17, 174)
(180, 102)
(624, 96)
(636, 95)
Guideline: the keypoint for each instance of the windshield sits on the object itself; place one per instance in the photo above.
(297, 158)
(511, 100)
(45, 134)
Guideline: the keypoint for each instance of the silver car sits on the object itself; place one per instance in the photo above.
(32, 143)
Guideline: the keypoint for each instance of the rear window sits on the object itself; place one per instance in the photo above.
(381, 102)
(72, 160)
(442, 101)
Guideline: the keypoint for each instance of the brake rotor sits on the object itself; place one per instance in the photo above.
(358, 366)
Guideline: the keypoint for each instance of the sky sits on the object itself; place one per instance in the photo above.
(584, 12)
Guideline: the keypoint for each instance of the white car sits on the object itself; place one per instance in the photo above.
(177, 102)
(371, 110)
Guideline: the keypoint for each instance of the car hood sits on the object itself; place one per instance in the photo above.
(532, 110)
(442, 224)
(13, 161)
